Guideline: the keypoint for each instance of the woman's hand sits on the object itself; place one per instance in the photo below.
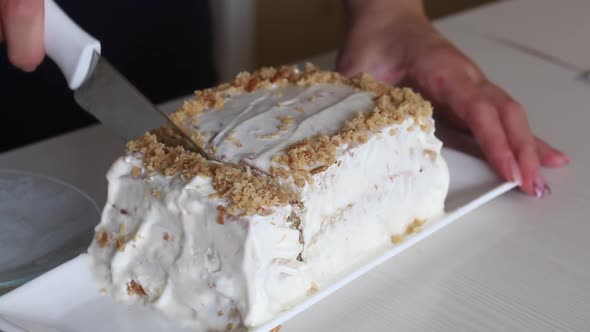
(394, 41)
(21, 26)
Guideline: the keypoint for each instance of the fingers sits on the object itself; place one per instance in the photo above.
(460, 90)
(22, 26)
(498, 123)
(444, 79)
(486, 126)
(522, 142)
(531, 151)
(549, 156)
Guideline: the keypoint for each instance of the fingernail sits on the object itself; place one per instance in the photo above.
(514, 170)
(541, 188)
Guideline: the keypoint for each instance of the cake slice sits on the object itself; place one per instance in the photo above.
(313, 175)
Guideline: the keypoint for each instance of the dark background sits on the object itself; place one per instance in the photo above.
(163, 47)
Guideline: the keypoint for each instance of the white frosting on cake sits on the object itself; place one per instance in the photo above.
(249, 268)
(253, 120)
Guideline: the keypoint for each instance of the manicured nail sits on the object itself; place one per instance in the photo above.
(541, 188)
(546, 190)
(514, 170)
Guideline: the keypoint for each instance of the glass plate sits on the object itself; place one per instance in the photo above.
(44, 222)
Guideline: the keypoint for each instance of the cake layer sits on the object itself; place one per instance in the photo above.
(315, 173)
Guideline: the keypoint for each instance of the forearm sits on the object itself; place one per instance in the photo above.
(378, 8)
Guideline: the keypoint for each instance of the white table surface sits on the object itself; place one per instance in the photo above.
(516, 264)
(556, 27)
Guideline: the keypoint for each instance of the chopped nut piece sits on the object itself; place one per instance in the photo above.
(313, 288)
(156, 193)
(122, 228)
(166, 236)
(220, 313)
(123, 211)
(234, 313)
(286, 120)
(136, 171)
(134, 287)
(221, 215)
(269, 136)
(103, 238)
(397, 239)
(415, 226)
(276, 329)
(120, 243)
(300, 182)
(430, 153)
(319, 169)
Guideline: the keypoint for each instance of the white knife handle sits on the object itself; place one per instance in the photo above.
(68, 45)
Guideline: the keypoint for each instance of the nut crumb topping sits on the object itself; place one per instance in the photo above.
(166, 236)
(276, 329)
(245, 192)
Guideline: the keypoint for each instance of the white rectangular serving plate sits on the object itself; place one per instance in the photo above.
(68, 299)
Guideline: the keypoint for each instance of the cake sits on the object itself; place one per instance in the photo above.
(309, 175)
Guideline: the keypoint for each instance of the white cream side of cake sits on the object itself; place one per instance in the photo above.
(191, 267)
(374, 191)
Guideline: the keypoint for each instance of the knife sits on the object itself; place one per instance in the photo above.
(98, 87)
(581, 74)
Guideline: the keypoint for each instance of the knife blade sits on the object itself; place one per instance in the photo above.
(98, 87)
(581, 74)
